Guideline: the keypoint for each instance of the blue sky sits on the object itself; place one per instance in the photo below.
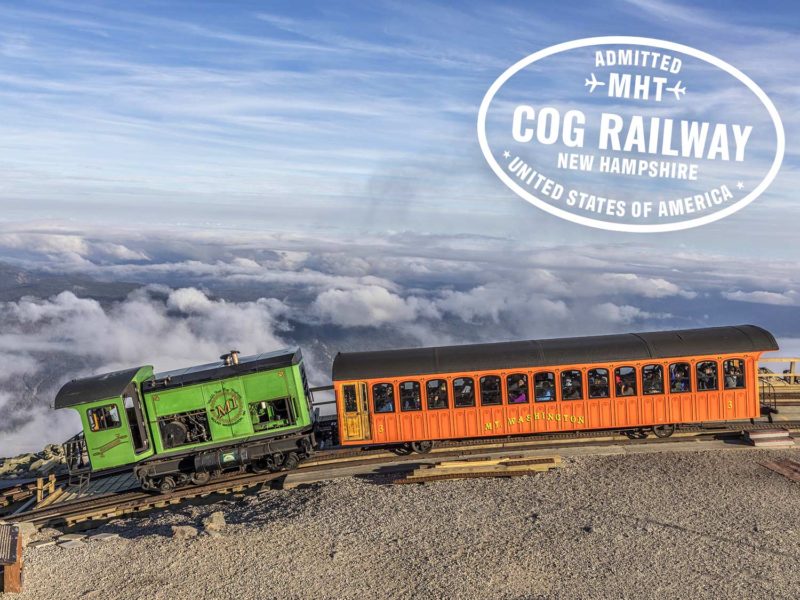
(344, 118)
(309, 172)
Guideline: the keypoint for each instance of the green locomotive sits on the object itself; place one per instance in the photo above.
(187, 425)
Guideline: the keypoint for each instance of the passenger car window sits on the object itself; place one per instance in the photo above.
(653, 379)
(544, 387)
(517, 388)
(734, 373)
(383, 397)
(679, 380)
(598, 383)
(625, 381)
(103, 417)
(349, 392)
(571, 385)
(436, 390)
(410, 398)
(490, 391)
(707, 375)
(463, 392)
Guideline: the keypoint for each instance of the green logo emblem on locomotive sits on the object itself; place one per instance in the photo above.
(226, 407)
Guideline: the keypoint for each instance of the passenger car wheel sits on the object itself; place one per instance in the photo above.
(422, 447)
(664, 431)
(402, 450)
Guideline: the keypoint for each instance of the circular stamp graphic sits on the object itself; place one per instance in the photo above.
(631, 134)
(226, 407)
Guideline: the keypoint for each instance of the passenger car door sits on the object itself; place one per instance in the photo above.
(355, 412)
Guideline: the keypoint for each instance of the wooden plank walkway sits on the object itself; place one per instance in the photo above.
(100, 487)
(492, 467)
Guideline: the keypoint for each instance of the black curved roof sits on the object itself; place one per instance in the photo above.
(97, 387)
(560, 351)
(219, 370)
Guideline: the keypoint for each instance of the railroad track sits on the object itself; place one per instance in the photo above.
(539, 438)
(98, 508)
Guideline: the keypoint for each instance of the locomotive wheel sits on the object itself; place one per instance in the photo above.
(664, 431)
(166, 485)
(275, 462)
(291, 461)
(262, 466)
(306, 444)
(403, 450)
(200, 478)
(422, 447)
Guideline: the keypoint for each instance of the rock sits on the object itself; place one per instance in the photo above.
(22, 459)
(46, 466)
(215, 521)
(26, 465)
(49, 532)
(53, 450)
(36, 465)
(184, 532)
(103, 537)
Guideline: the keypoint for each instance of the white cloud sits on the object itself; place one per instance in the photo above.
(625, 313)
(49, 243)
(629, 283)
(788, 298)
(367, 306)
(494, 301)
(72, 250)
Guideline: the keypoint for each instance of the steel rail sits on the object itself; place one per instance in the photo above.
(105, 507)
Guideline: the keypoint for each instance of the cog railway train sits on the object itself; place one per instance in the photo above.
(257, 412)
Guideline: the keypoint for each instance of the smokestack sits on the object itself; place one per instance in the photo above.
(231, 358)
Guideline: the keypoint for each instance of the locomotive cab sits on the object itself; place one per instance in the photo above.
(115, 431)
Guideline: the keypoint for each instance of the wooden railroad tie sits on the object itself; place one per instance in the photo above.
(490, 467)
(787, 467)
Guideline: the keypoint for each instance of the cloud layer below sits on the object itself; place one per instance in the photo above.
(81, 301)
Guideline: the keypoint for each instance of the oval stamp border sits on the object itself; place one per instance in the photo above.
(632, 41)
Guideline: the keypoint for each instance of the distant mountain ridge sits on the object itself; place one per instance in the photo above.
(16, 282)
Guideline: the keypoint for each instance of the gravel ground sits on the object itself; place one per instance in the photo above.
(690, 524)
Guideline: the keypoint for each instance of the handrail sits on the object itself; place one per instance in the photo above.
(767, 397)
(77, 454)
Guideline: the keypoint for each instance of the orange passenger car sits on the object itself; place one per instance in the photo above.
(647, 381)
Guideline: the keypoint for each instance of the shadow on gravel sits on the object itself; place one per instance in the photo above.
(651, 525)
(388, 475)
